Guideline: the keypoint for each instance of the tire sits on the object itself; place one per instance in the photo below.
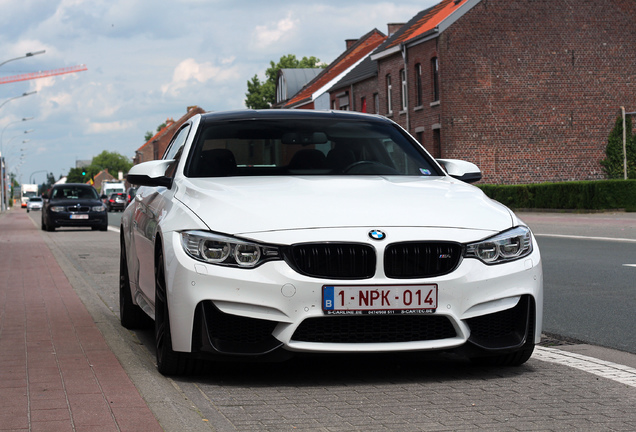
(131, 316)
(50, 227)
(104, 227)
(43, 225)
(169, 362)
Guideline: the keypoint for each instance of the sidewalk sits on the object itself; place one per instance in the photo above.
(56, 371)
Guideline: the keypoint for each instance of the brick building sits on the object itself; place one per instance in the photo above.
(154, 148)
(314, 95)
(526, 89)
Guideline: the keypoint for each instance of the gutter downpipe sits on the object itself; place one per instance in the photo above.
(624, 146)
(406, 90)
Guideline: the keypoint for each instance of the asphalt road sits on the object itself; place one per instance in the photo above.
(383, 393)
(590, 292)
(589, 266)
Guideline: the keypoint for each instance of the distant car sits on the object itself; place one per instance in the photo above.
(273, 232)
(74, 205)
(116, 201)
(130, 194)
(34, 203)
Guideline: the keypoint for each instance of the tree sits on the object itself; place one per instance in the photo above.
(50, 180)
(613, 162)
(263, 95)
(112, 161)
(149, 134)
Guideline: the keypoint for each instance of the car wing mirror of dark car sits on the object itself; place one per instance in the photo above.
(151, 173)
(461, 170)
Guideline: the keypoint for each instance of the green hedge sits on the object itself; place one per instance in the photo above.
(576, 195)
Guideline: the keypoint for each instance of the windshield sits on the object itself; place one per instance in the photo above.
(74, 192)
(306, 147)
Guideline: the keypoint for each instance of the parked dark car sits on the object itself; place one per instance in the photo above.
(74, 205)
(116, 201)
(130, 194)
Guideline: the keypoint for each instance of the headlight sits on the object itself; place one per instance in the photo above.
(57, 209)
(99, 208)
(227, 251)
(504, 247)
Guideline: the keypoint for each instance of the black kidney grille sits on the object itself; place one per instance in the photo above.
(332, 260)
(374, 329)
(421, 259)
(76, 208)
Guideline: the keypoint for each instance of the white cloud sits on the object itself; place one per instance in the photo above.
(190, 72)
(265, 36)
(109, 127)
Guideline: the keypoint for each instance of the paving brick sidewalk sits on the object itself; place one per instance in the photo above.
(56, 371)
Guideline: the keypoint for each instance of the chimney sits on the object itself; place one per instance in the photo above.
(350, 42)
(393, 27)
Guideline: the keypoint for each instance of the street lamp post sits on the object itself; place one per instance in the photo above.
(33, 173)
(16, 97)
(29, 54)
(3, 179)
(3, 166)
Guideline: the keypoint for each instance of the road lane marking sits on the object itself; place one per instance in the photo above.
(586, 237)
(629, 265)
(616, 372)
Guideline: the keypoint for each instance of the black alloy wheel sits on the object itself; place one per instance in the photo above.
(131, 316)
(169, 362)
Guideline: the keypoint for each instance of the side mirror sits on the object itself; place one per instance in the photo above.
(461, 170)
(151, 173)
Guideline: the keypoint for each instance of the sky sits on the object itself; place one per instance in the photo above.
(147, 60)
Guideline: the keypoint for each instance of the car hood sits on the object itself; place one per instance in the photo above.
(244, 205)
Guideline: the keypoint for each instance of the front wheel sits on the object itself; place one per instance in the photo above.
(169, 362)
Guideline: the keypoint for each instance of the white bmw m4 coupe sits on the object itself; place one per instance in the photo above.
(268, 233)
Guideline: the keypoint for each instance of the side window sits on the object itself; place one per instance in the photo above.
(177, 141)
(175, 149)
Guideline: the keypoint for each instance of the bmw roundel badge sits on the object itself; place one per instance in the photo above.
(377, 235)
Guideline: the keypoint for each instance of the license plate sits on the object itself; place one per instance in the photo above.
(79, 216)
(380, 300)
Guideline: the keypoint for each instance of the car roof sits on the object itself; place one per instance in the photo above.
(289, 114)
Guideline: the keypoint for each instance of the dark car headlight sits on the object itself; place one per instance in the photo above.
(227, 251)
(504, 247)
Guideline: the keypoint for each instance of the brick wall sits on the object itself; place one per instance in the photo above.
(363, 89)
(530, 89)
(156, 146)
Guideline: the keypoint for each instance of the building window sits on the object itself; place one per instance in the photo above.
(343, 101)
(435, 75)
(418, 85)
(389, 104)
(376, 103)
(363, 104)
(403, 95)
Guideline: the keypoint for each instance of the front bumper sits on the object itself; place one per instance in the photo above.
(220, 310)
(65, 219)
